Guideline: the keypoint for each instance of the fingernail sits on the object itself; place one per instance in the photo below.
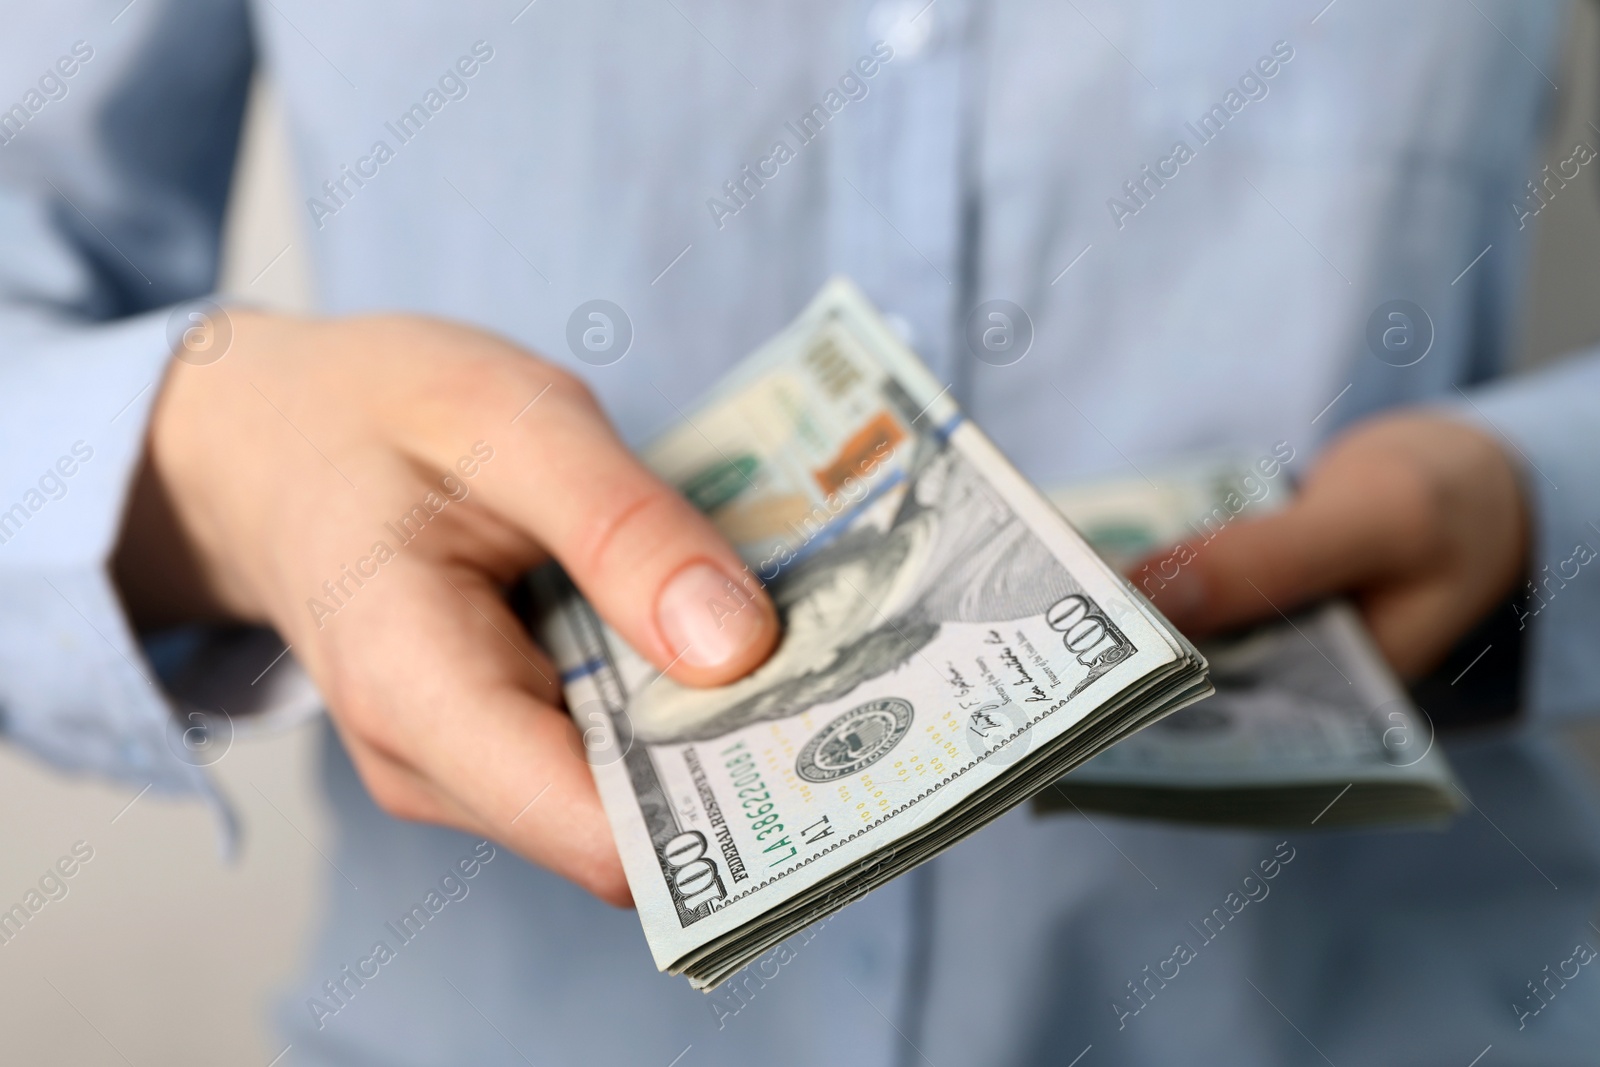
(707, 618)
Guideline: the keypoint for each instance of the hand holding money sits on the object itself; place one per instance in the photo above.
(445, 705)
(1420, 516)
(951, 646)
(369, 486)
(1308, 728)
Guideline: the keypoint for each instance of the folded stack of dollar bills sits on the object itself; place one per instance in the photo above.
(951, 648)
(1309, 726)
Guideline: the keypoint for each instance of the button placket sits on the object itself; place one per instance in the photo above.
(895, 178)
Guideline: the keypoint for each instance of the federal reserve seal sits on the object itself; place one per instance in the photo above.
(855, 740)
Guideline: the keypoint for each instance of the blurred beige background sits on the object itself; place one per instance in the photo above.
(163, 954)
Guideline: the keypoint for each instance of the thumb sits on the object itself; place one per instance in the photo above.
(653, 566)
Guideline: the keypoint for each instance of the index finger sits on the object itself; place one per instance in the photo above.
(442, 680)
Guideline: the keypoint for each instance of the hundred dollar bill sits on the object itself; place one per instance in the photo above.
(1308, 723)
(951, 646)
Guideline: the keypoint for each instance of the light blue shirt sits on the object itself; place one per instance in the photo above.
(534, 158)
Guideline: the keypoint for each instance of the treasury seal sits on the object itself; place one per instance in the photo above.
(855, 740)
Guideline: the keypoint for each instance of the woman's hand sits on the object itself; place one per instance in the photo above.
(368, 487)
(1419, 517)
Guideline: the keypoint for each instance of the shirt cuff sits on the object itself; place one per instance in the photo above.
(75, 686)
(1549, 423)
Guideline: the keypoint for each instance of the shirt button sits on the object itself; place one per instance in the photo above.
(907, 26)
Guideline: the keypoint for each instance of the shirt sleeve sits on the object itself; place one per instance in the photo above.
(1549, 423)
(115, 162)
